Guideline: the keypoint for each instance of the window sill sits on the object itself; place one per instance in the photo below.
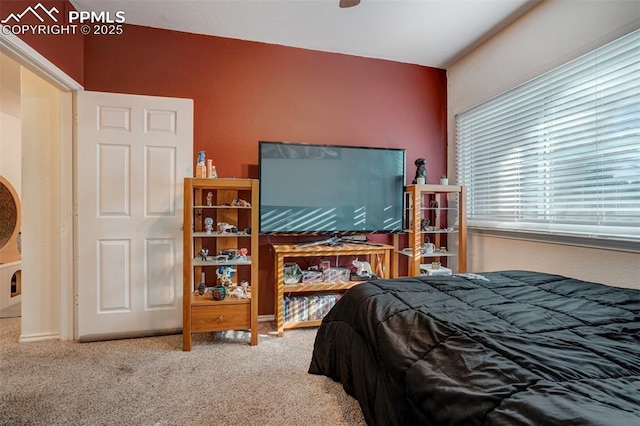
(557, 238)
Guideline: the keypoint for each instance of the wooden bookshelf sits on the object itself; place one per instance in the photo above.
(379, 256)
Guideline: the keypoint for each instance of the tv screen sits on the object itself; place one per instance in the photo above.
(323, 189)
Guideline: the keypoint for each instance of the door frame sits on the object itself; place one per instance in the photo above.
(29, 58)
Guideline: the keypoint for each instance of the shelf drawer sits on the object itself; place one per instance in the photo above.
(219, 318)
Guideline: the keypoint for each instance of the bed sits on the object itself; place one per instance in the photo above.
(498, 348)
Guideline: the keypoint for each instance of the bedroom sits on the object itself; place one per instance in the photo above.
(496, 66)
(556, 31)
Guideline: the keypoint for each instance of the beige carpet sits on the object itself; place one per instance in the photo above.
(151, 381)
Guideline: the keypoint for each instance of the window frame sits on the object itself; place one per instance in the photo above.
(625, 236)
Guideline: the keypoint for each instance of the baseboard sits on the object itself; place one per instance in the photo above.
(266, 318)
(38, 337)
(115, 336)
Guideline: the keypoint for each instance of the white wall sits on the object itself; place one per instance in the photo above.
(549, 35)
(41, 260)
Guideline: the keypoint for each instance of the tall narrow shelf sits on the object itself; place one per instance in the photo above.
(378, 255)
(214, 198)
(443, 206)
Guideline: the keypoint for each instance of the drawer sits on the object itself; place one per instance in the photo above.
(218, 318)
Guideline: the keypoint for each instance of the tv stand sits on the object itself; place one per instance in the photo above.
(379, 257)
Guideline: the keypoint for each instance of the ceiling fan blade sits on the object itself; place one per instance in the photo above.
(349, 3)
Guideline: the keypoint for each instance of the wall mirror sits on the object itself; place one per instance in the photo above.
(9, 222)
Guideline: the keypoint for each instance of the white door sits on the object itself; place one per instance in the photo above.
(132, 153)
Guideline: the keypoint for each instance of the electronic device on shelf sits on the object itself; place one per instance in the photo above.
(336, 241)
(330, 189)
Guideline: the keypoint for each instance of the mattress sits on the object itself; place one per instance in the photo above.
(498, 348)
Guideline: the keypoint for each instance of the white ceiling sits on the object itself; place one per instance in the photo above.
(425, 32)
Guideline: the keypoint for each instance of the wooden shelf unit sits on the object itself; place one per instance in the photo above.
(440, 215)
(379, 257)
(201, 313)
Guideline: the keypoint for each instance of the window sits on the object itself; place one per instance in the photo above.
(559, 154)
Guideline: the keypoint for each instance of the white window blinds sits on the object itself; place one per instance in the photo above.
(560, 153)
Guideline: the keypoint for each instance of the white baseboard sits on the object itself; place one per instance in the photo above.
(265, 318)
(38, 337)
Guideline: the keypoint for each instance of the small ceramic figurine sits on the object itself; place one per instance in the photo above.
(224, 227)
(240, 292)
(243, 253)
(238, 202)
(363, 269)
(208, 225)
(421, 171)
(428, 248)
(204, 252)
(210, 199)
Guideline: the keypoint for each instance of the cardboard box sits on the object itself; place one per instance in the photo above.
(338, 275)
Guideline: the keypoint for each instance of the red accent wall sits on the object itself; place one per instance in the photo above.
(245, 91)
(65, 50)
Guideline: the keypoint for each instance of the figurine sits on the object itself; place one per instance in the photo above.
(428, 248)
(229, 253)
(208, 225)
(201, 288)
(224, 227)
(224, 273)
(421, 171)
(243, 253)
(204, 252)
(237, 293)
(241, 291)
(210, 199)
(363, 269)
(240, 203)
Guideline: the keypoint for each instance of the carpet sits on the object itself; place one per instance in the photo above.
(151, 381)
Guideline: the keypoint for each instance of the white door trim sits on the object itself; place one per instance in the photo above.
(28, 57)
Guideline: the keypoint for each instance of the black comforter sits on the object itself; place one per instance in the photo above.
(501, 348)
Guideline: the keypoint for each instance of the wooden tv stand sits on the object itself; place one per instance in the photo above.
(378, 256)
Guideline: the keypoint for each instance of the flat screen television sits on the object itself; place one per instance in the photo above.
(330, 189)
